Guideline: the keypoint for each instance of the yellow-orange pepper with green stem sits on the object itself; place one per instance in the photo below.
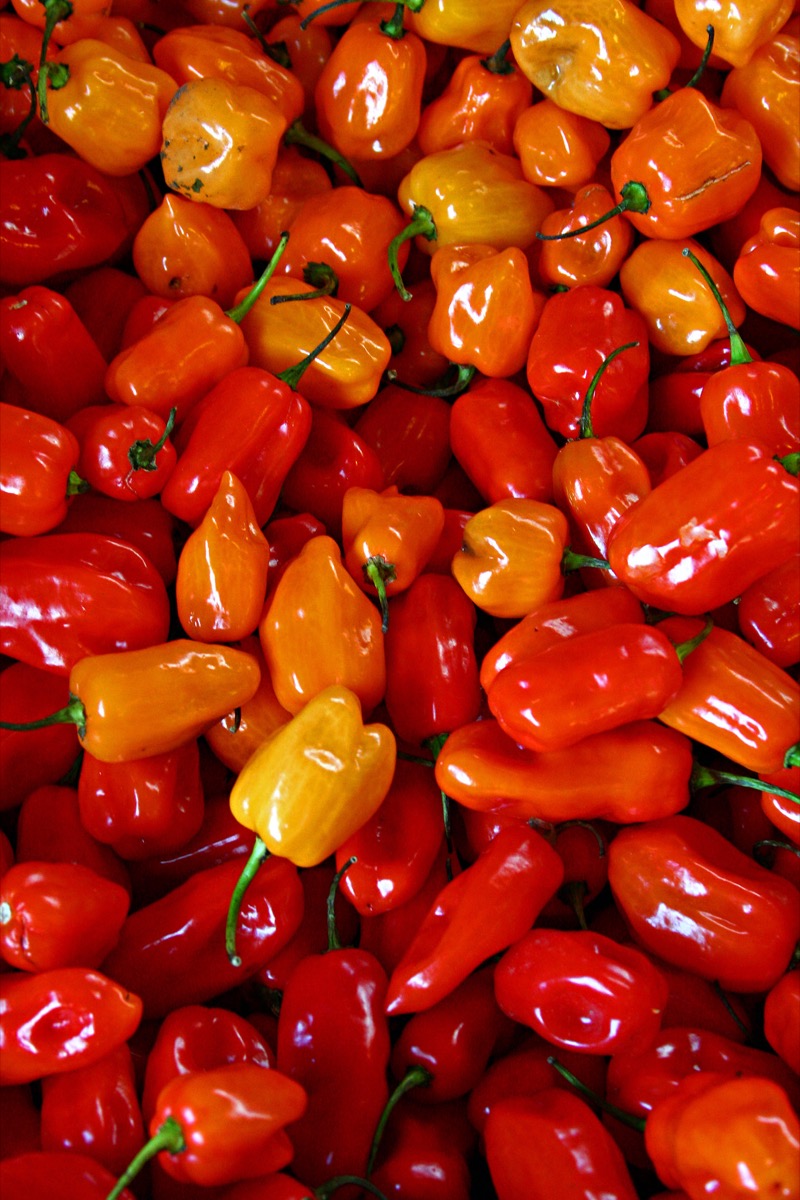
(311, 786)
(739, 28)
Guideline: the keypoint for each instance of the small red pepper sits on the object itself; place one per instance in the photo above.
(37, 472)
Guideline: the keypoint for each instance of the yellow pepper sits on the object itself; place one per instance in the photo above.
(317, 780)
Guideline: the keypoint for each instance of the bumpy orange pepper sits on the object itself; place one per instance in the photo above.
(111, 108)
(482, 100)
(558, 148)
(317, 780)
(766, 91)
(486, 311)
(295, 179)
(222, 569)
(477, 27)
(600, 60)
(739, 28)
(594, 257)
(320, 629)
(220, 143)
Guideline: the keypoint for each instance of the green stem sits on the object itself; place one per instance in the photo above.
(684, 649)
(739, 352)
(693, 82)
(142, 454)
(75, 485)
(333, 936)
(332, 1185)
(465, 373)
(379, 572)
(293, 375)
(298, 135)
(612, 1110)
(790, 462)
(241, 310)
(257, 856)
(414, 1077)
(322, 278)
(73, 713)
(56, 74)
(168, 1137)
(774, 844)
(586, 427)
(498, 63)
(572, 561)
(411, 5)
(393, 27)
(16, 74)
(792, 756)
(421, 224)
(703, 777)
(434, 744)
(634, 199)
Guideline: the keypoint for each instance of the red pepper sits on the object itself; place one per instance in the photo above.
(768, 613)
(58, 914)
(175, 948)
(97, 1108)
(581, 991)
(125, 450)
(95, 1015)
(512, 879)
(146, 525)
(409, 433)
(37, 472)
(39, 332)
(388, 935)
(49, 829)
(424, 1153)
(79, 1176)
(664, 453)
(65, 596)
(103, 299)
(29, 760)
(694, 899)
(199, 1038)
(782, 1019)
(696, 541)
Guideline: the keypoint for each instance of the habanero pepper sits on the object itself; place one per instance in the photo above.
(738, 32)
(37, 472)
(665, 453)
(233, 743)
(594, 258)
(695, 542)
(558, 148)
(79, 1176)
(692, 898)
(767, 270)
(409, 431)
(49, 829)
(53, 588)
(295, 179)
(768, 613)
(425, 1151)
(781, 1013)
(95, 1014)
(125, 450)
(763, 90)
(146, 525)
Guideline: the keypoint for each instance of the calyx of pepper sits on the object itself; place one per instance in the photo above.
(73, 713)
(322, 278)
(634, 199)
(168, 1137)
(142, 453)
(704, 777)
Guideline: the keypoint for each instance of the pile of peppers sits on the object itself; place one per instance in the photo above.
(399, 600)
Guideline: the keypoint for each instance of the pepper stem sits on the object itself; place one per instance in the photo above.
(790, 462)
(240, 311)
(333, 936)
(792, 756)
(75, 485)
(739, 352)
(332, 1185)
(414, 1077)
(411, 5)
(612, 1110)
(498, 63)
(293, 375)
(434, 744)
(168, 1137)
(257, 856)
(322, 278)
(586, 428)
(142, 454)
(465, 373)
(634, 199)
(298, 135)
(572, 561)
(684, 649)
(72, 713)
(701, 66)
(54, 74)
(421, 224)
(703, 777)
(15, 74)
(379, 572)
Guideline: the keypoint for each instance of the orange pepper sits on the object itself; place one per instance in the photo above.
(216, 52)
(294, 180)
(482, 101)
(486, 311)
(388, 538)
(565, 49)
(33, 12)
(369, 94)
(510, 561)
(320, 629)
(111, 108)
(235, 741)
(220, 143)
(558, 148)
(680, 312)
(223, 12)
(317, 780)
(767, 271)
(739, 29)
(347, 373)
(466, 24)
(137, 703)
(405, 323)
(474, 195)
(594, 257)
(118, 32)
(222, 569)
(766, 91)
(184, 249)
(307, 50)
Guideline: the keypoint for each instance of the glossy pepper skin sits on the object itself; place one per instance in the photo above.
(694, 543)
(53, 626)
(768, 267)
(739, 32)
(781, 1009)
(37, 472)
(716, 1131)
(693, 899)
(175, 947)
(325, 754)
(516, 875)
(58, 915)
(482, 768)
(733, 699)
(604, 680)
(481, 101)
(763, 91)
(562, 50)
(95, 1015)
(79, 1176)
(581, 991)
(126, 452)
(767, 614)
